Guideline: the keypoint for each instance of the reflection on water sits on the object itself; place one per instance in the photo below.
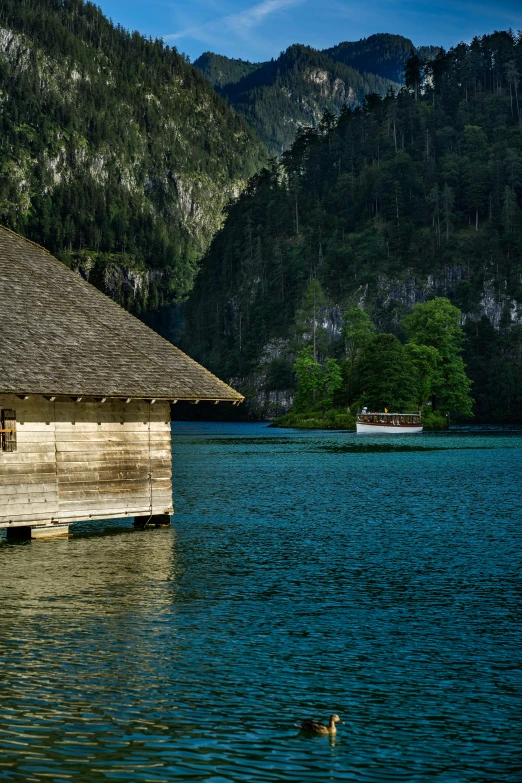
(306, 573)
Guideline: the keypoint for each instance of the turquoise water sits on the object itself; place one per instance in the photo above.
(305, 573)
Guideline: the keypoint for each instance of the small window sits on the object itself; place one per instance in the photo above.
(8, 430)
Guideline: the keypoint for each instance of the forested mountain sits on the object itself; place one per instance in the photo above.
(115, 153)
(408, 197)
(383, 54)
(221, 70)
(278, 97)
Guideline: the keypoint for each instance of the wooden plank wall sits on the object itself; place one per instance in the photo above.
(112, 459)
(100, 460)
(28, 487)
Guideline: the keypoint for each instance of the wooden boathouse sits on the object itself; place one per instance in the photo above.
(85, 396)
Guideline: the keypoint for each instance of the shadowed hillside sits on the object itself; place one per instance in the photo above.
(408, 197)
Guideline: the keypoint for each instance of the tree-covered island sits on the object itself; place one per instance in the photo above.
(425, 373)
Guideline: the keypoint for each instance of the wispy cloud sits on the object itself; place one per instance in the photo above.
(256, 14)
(240, 24)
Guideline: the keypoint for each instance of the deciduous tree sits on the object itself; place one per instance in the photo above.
(316, 383)
(437, 324)
(425, 361)
(385, 374)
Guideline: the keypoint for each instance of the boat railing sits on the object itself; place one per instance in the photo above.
(394, 418)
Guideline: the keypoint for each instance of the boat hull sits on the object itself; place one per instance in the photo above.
(388, 429)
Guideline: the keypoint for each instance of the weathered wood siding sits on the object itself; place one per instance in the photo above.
(85, 460)
(28, 486)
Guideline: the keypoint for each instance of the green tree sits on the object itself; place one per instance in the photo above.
(316, 383)
(475, 170)
(509, 210)
(308, 318)
(426, 361)
(332, 380)
(385, 374)
(413, 73)
(513, 79)
(448, 202)
(437, 324)
(309, 378)
(357, 329)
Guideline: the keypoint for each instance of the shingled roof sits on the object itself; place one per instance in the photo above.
(61, 336)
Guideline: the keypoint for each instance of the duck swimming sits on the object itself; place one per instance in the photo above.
(314, 727)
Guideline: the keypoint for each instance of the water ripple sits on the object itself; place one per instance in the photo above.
(306, 573)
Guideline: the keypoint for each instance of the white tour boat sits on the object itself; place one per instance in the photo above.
(388, 423)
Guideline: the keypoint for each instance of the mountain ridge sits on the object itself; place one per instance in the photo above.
(279, 96)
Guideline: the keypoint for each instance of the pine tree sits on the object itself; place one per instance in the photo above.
(385, 375)
(413, 73)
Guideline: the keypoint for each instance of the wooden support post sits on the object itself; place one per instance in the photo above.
(26, 532)
(18, 533)
(152, 520)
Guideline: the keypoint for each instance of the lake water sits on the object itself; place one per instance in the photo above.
(305, 573)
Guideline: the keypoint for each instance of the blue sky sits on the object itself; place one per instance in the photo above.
(260, 29)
